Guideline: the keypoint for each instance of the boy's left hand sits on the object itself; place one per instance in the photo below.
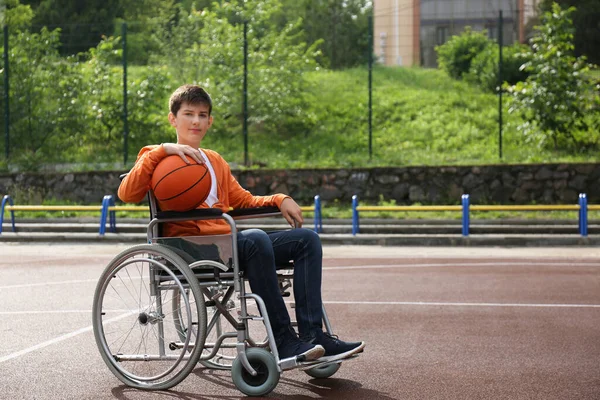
(291, 212)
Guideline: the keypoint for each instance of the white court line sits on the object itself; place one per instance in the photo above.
(58, 339)
(45, 312)
(402, 303)
(48, 283)
(455, 265)
(29, 312)
(366, 267)
(432, 303)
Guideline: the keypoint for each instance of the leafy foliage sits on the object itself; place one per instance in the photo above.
(43, 99)
(15, 15)
(586, 38)
(456, 55)
(342, 26)
(70, 109)
(557, 100)
(206, 47)
(484, 67)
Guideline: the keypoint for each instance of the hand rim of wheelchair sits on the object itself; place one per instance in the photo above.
(192, 351)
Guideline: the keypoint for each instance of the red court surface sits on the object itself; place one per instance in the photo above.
(440, 323)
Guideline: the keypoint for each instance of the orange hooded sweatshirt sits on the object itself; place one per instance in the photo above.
(136, 185)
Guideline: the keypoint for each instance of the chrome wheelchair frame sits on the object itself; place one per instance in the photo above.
(158, 312)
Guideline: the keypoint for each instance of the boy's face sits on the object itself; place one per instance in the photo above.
(191, 123)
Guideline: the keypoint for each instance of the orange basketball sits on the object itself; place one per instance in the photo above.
(179, 186)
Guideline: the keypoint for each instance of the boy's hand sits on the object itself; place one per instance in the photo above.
(183, 150)
(291, 212)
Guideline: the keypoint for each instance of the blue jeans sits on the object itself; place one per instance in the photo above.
(259, 255)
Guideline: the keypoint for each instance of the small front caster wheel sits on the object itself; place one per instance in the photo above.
(324, 372)
(265, 365)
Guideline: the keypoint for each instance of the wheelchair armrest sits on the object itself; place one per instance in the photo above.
(192, 214)
(243, 213)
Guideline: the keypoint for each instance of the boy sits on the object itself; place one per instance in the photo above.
(258, 252)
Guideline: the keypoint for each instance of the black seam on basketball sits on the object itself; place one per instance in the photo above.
(195, 183)
(170, 172)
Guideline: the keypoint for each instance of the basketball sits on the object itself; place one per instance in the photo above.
(178, 186)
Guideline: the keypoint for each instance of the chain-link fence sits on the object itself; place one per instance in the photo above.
(79, 96)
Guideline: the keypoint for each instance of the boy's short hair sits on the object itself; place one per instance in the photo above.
(191, 94)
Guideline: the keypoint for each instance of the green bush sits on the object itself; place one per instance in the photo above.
(558, 101)
(455, 56)
(484, 67)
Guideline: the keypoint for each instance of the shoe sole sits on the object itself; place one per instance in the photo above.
(341, 356)
(313, 354)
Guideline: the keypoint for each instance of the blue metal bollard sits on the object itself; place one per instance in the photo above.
(355, 223)
(318, 216)
(465, 214)
(583, 223)
(9, 200)
(107, 201)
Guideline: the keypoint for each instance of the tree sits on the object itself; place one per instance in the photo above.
(46, 119)
(83, 23)
(15, 15)
(557, 99)
(206, 47)
(586, 19)
(342, 26)
(143, 17)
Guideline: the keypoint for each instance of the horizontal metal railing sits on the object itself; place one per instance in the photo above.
(108, 211)
(465, 208)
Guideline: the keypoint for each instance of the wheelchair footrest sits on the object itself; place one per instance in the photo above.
(289, 363)
(317, 364)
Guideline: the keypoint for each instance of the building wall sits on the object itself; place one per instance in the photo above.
(407, 31)
(394, 32)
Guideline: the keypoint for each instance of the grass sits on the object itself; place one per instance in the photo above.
(420, 117)
(336, 212)
(333, 210)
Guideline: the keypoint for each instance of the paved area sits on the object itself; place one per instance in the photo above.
(440, 323)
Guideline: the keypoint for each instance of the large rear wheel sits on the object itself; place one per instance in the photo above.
(136, 326)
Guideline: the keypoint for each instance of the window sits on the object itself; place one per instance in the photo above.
(442, 34)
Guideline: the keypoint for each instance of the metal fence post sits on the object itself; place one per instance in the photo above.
(500, 41)
(370, 86)
(125, 117)
(6, 97)
(245, 94)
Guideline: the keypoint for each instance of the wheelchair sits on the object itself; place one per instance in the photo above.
(160, 311)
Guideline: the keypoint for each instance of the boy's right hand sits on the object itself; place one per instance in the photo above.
(183, 150)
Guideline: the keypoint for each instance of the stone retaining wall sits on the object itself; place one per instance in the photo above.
(488, 184)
